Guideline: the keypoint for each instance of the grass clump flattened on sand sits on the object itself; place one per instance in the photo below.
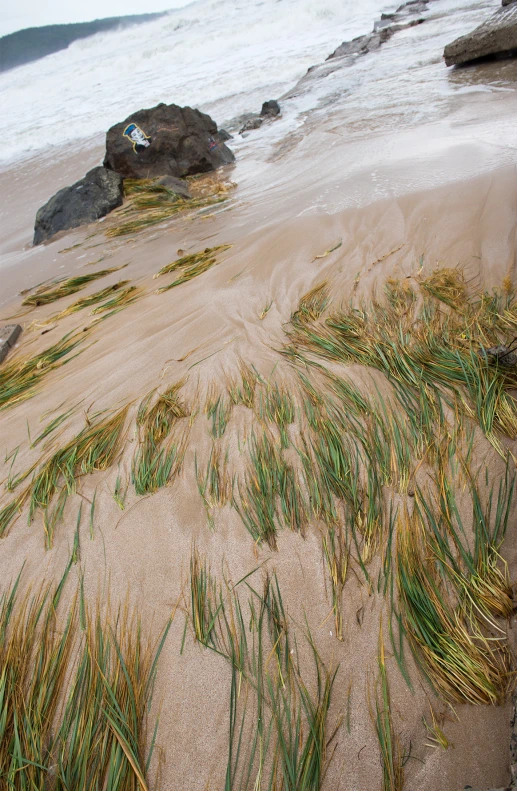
(218, 409)
(461, 663)
(46, 294)
(243, 391)
(270, 495)
(149, 203)
(478, 573)
(94, 448)
(216, 485)
(160, 452)
(120, 301)
(312, 304)
(440, 352)
(20, 377)
(276, 405)
(75, 691)
(189, 266)
(278, 732)
(86, 302)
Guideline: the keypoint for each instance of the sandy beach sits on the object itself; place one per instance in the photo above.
(362, 191)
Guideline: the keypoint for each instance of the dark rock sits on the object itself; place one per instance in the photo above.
(507, 2)
(252, 123)
(496, 36)
(98, 193)
(178, 186)
(165, 140)
(270, 108)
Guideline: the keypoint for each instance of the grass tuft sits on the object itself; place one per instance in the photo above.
(71, 285)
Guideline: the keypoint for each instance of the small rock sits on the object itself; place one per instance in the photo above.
(10, 333)
(270, 108)
(252, 123)
(223, 135)
(502, 354)
(178, 186)
(98, 193)
(4, 350)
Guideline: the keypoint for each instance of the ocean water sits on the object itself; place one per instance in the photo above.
(223, 56)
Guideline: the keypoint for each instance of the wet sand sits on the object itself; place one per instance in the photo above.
(445, 195)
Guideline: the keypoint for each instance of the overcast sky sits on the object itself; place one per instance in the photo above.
(33, 13)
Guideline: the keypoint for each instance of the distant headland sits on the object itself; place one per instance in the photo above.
(34, 43)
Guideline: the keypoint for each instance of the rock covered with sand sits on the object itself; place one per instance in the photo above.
(165, 140)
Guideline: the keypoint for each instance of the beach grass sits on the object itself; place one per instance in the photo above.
(75, 689)
(189, 266)
(149, 204)
(216, 485)
(95, 448)
(312, 304)
(122, 299)
(20, 377)
(276, 405)
(393, 757)
(242, 389)
(86, 302)
(461, 663)
(46, 294)
(218, 409)
(278, 729)
(161, 447)
(336, 551)
(440, 353)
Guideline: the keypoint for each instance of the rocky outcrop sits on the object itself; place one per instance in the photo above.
(9, 334)
(165, 140)
(496, 36)
(98, 193)
(383, 29)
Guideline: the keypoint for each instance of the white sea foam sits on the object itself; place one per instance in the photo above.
(223, 56)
